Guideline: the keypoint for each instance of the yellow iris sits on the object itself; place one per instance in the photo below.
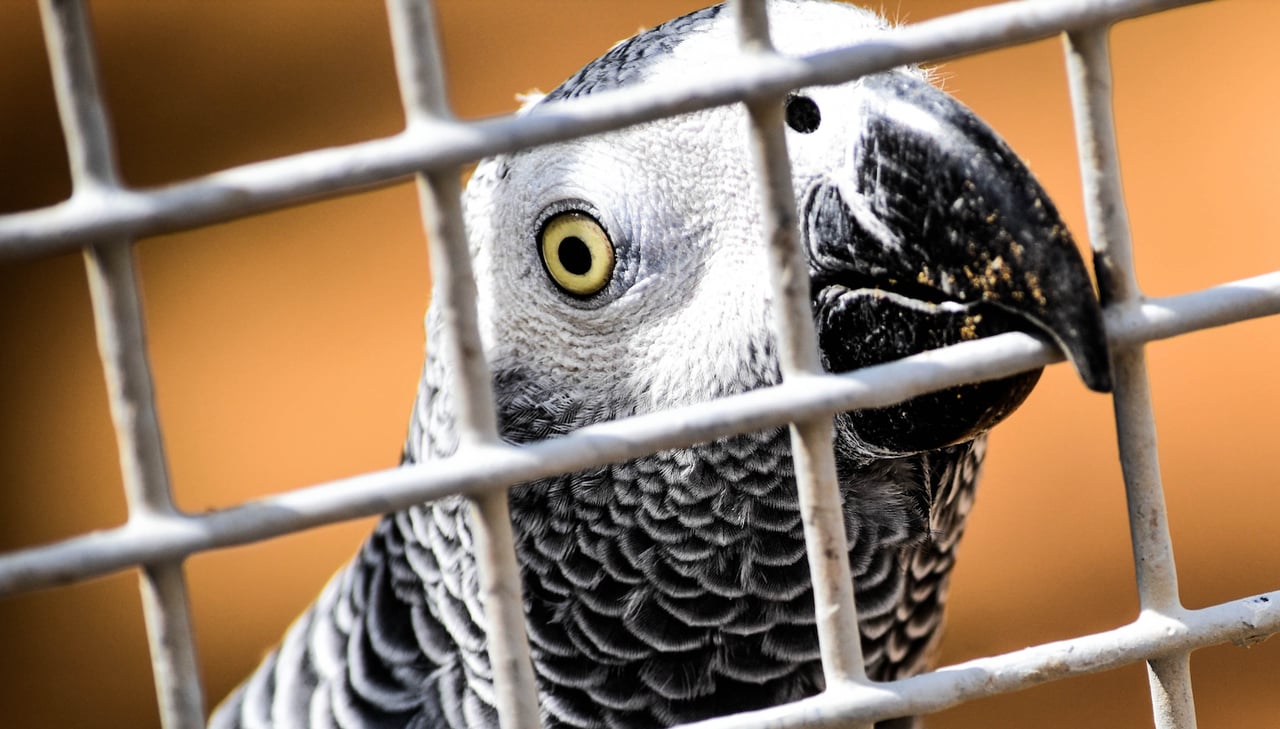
(578, 253)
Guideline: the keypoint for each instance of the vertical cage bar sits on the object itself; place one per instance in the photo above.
(422, 86)
(515, 689)
(1089, 72)
(419, 65)
(1172, 701)
(69, 41)
(811, 441)
(122, 347)
(166, 605)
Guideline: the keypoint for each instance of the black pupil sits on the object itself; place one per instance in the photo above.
(574, 255)
(802, 114)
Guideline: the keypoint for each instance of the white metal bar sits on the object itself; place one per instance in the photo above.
(121, 342)
(122, 345)
(1150, 636)
(69, 42)
(1172, 701)
(821, 506)
(166, 606)
(422, 86)
(497, 467)
(1147, 320)
(1089, 73)
(262, 186)
(419, 65)
(454, 295)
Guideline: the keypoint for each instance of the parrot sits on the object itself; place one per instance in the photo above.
(626, 273)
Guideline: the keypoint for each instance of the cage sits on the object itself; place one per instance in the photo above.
(242, 362)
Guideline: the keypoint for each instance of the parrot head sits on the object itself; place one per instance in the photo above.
(626, 272)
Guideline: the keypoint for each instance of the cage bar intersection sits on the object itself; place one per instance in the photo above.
(103, 218)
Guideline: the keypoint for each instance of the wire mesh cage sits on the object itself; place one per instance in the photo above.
(1190, 105)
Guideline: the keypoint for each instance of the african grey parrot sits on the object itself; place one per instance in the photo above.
(625, 273)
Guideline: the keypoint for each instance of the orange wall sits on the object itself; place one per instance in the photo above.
(286, 346)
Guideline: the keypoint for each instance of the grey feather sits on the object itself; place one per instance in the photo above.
(627, 62)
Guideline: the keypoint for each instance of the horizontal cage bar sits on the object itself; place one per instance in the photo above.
(495, 467)
(262, 186)
(1150, 636)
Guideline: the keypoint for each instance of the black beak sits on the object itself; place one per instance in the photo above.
(942, 235)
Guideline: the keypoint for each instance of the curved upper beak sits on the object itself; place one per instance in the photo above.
(941, 235)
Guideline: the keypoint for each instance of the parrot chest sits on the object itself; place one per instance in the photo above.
(673, 587)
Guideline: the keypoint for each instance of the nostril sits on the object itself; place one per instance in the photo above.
(802, 113)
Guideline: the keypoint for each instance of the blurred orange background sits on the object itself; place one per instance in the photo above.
(286, 346)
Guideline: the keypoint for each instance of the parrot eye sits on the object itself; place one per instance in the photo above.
(577, 253)
(802, 114)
